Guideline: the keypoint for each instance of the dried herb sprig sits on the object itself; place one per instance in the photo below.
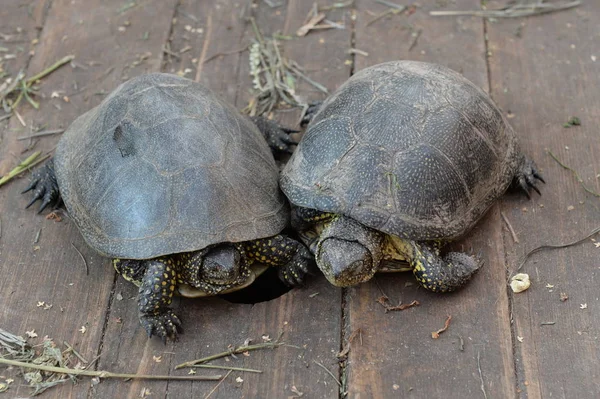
(513, 11)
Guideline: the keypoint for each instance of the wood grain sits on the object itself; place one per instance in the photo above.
(398, 357)
(543, 73)
(51, 270)
(310, 324)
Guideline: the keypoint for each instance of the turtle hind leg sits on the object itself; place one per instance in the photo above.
(442, 274)
(291, 258)
(277, 136)
(156, 289)
(311, 111)
(527, 176)
(44, 185)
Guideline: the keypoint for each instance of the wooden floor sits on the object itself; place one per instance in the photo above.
(540, 70)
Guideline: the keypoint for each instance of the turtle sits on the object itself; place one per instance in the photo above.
(179, 188)
(401, 159)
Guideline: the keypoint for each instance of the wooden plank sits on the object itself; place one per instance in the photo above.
(398, 356)
(545, 70)
(213, 324)
(51, 270)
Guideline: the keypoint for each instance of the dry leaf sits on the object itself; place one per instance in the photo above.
(583, 306)
(239, 379)
(83, 329)
(520, 339)
(31, 334)
(192, 371)
(157, 359)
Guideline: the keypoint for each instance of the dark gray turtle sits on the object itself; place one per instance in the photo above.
(178, 187)
(404, 156)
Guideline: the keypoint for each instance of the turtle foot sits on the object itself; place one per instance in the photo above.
(164, 325)
(277, 136)
(312, 110)
(527, 177)
(44, 185)
(294, 272)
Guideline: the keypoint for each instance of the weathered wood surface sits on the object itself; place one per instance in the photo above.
(398, 356)
(545, 70)
(540, 70)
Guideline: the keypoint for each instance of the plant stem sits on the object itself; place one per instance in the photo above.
(106, 374)
(238, 350)
(210, 366)
(50, 69)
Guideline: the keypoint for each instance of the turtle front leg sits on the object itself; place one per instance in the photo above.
(277, 137)
(290, 257)
(157, 280)
(441, 274)
(527, 176)
(43, 182)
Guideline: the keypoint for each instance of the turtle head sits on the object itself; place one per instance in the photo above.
(347, 252)
(223, 266)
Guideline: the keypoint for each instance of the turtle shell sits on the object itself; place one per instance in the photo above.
(163, 166)
(408, 148)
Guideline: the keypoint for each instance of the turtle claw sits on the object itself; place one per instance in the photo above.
(277, 136)
(164, 325)
(294, 272)
(44, 185)
(311, 111)
(527, 176)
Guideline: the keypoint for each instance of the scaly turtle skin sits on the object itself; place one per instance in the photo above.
(402, 157)
(178, 187)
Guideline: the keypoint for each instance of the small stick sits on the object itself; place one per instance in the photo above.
(328, 372)
(436, 334)
(106, 374)
(510, 228)
(171, 53)
(50, 69)
(23, 166)
(570, 244)
(37, 236)
(548, 323)
(357, 51)
(393, 11)
(3, 117)
(235, 351)
(212, 57)
(42, 133)
(210, 366)
(579, 179)
(392, 5)
(69, 347)
(216, 386)
(511, 12)
(87, 270)
(481, 375)
(415, 38)
(19, 117)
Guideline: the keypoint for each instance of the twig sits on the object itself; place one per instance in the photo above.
(392, 5)
(510, 228)
(217, 386)
(220, 54)
(171, 53)
(69, 347)
(570, 244)
(87, 270)
(37, 236)
(42, 133)
(389, 11)
(337, 5)
(436, 334)
(234, 351)
(384, 301)
(515, 11)
(23, 166)
(210, 366)
(481, 376)
(579, 179)
(312, 22)
(50, 69)
(3, 117)
(107, 374)
(19, 117)
(548, 323)
(415, 36)
(346, 349)
(328, 372)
